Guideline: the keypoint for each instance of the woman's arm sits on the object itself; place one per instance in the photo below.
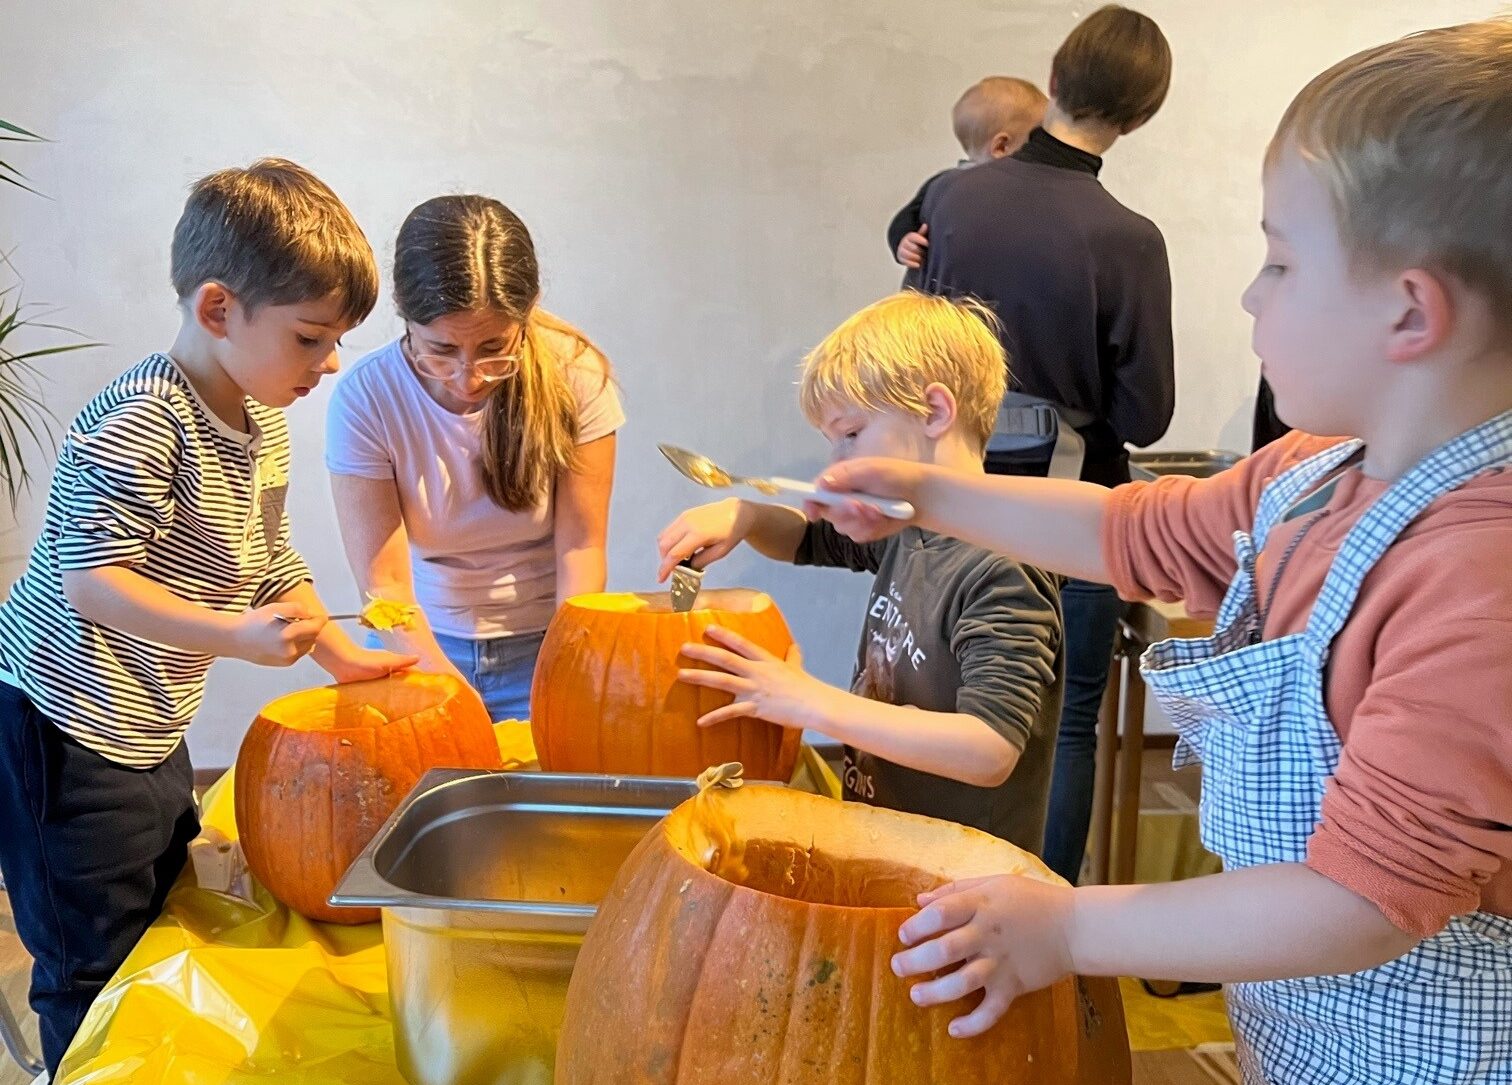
(581, 525)
(377, 549)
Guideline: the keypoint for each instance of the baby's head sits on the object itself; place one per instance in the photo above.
(1388, 199)
(912, 376)
(994, 117)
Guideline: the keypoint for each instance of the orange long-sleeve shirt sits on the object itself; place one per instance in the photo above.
(1418, 816)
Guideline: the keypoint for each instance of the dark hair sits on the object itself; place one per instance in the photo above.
(273, 234)
(468, 253)
(1114, 67)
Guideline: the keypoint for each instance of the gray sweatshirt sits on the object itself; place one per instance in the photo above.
(954, 628)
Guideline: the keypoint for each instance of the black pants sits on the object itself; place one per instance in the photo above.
(89, 850)
(1091, 612)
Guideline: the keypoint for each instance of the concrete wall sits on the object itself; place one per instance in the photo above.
(708, 185)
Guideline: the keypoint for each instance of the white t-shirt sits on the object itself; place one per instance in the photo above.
(479, 570)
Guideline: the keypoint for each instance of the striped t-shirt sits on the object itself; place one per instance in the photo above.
(150, 479)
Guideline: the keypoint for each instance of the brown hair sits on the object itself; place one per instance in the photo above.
(887, 354)
(1114, 67)
(273, 234)
(466, 253)
(996, 104)
(1414, 141)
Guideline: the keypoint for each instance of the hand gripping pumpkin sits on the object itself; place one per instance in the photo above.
(321, 770)
(748, 937)
(606, 696)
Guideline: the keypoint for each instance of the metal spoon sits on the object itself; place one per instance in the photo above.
(706, 472)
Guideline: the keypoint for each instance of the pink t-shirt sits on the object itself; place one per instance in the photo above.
(479, 570)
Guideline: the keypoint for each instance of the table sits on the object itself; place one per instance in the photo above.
(221, 991)
(1115, 792)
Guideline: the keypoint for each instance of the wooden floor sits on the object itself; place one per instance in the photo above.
(15, 970)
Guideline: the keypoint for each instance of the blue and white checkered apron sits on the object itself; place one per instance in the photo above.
(1253, 713)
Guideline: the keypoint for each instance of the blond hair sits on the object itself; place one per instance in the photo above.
(999, 103)
(1414, 141)
(273, 234)
(886, 355)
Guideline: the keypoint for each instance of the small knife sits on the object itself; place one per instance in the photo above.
(686, 582)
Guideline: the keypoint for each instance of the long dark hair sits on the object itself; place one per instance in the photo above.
(465, 253)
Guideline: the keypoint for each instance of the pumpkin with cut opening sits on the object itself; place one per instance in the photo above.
(748, 938)
(321, 770)
(606, 696)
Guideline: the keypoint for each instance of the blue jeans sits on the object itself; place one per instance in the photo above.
(499, 668)
(1091, 612)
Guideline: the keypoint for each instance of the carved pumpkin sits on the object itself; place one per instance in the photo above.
(748, 938)
(606, 696)
(321, 770)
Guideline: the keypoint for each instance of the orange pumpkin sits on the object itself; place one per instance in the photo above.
(606, 696)
(748, 939)
(321, 770)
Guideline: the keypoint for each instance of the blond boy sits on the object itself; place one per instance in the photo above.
(956, 690)
(1352, 712)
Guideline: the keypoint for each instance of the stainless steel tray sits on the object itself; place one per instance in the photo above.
(488, 881)
(528, 844)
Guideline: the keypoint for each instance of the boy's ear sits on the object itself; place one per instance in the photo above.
(942, 411)
(1002, 144)
(211, 308)
(1422, 315)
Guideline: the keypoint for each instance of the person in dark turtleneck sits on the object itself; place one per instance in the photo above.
(1082, 288)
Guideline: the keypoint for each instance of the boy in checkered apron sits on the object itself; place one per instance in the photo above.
(1353, 711)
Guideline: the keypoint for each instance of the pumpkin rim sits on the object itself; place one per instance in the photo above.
(647, 604)
(1002, 857)
(291, 710)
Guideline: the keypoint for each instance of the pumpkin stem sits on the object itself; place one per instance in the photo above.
(730, 775)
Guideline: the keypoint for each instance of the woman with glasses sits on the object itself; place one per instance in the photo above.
(472, 458)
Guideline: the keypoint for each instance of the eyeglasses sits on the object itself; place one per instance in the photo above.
(490, 370)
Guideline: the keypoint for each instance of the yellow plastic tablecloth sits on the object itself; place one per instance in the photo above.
(219, 990)
(222, 991)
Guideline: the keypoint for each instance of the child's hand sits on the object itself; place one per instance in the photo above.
(276, 635)
(354, 663)
(1005, 936)
(911, 248)
(776, 690)
(709, 531)
(870, 475)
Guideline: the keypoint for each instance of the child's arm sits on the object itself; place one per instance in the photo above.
(117, 597)
(1009, 935)
(1052, 523)
(712, 531)
(340, 657)
(907, 228)
(1171, 539)
(950, 744)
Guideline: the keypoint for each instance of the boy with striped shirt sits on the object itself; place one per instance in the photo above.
(166, 545)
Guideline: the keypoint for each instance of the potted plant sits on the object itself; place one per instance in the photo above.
(26, 425)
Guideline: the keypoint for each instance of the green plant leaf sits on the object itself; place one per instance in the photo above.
(22, 133)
